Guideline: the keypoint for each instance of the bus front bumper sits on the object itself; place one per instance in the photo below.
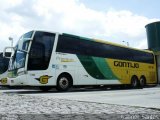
(17, 81)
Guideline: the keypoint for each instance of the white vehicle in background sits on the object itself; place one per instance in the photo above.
(46, 60)
(4, 62)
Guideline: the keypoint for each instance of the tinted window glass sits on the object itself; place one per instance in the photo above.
(41, 50)
(76, 45)
(28, 35)
(4, 63)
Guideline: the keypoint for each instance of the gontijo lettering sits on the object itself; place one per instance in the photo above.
(126, 64)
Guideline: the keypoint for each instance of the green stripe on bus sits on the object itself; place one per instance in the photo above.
(104, 68)
(97, 67)
(91, 67)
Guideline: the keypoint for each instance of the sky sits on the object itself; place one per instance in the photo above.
(111, 20)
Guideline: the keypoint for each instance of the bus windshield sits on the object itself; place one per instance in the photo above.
(18, 59)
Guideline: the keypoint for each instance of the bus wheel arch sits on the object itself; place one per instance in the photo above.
(142, 81)
(134, 81)
(64, 81)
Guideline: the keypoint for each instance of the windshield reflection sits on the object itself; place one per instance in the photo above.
(19, 57)
(18, 60)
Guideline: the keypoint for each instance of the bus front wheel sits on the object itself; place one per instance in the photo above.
(63, 82)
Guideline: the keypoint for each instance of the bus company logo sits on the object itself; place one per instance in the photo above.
(126, 64)
(3, 80)
(67, 60)
(43, 79)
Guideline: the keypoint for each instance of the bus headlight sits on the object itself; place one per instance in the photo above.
(21, 72)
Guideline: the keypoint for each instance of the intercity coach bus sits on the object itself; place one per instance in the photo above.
(46, 60)
(4, 62)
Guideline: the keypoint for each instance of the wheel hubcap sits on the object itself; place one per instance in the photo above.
(142, 82)
(134, 83)
(63, 82)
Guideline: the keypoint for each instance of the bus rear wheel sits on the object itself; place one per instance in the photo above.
(134, 82)
(63, 82)
(142, 81)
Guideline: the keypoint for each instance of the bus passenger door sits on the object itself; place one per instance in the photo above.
(38, 65)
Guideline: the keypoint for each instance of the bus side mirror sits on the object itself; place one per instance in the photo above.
(8, 51)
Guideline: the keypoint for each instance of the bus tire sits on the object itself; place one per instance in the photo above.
(142, 81)
(64, 82)
(45, 88)
(134, 82)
